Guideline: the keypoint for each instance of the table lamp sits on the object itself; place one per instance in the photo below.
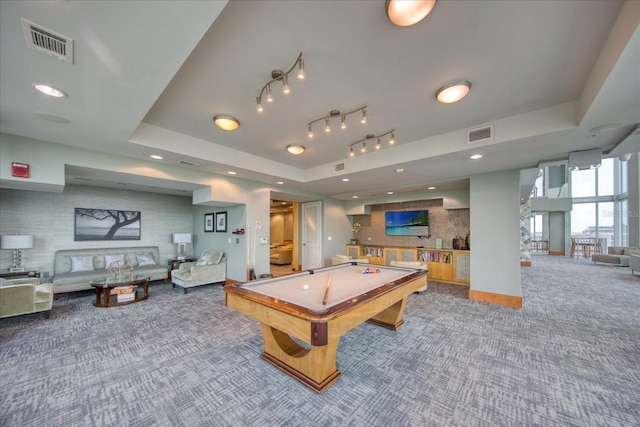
(16, 242)
(182, 239)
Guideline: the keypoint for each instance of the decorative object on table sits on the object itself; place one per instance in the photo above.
(221, 222)
(182, 239)
(355, 229)
(106, 224)
(238, 231)
(16, 242)
(120, 271)
(438, 243)
(467, 242)
(457, 243)
(208, 222)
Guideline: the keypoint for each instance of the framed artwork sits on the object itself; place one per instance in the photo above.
(106, 224)
(208, 223)
(221, 222)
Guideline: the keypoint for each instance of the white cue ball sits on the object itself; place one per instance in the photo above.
(305, 287)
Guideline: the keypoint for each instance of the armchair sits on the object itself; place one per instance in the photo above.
(341, 259)
(412, 264)
(283, 257)
(24, 296)
(634, 263)
(210, 268)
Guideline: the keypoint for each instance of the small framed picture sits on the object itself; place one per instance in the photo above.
(221, 222)
(208, 222)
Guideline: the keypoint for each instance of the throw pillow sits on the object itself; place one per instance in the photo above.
(145, 259)
(81, 263)
(209, 258)
(5, 282)
(109, 259)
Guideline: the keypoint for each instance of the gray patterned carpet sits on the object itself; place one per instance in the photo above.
(569, 357)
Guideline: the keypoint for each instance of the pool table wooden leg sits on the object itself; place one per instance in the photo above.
(314, 367)
(391, 317)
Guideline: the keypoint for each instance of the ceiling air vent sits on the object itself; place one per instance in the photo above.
(338, 167)
(186, 163)
(46, 41)
(477, 135)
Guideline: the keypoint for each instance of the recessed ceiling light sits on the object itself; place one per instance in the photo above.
(389, 192)
(280, 183)
(231, 172)
(431, 188)
(475, 156)
(295, 149)
(399, 170)
(345, 179)
(156, 156)
(226, 122)
(406, 13)
(355, 197)
(453, 92)
(48, 90)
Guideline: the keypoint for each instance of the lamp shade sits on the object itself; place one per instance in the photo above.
(16, 241)
(181, 238)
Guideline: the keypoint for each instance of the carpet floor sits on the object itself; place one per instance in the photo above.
(569, 357)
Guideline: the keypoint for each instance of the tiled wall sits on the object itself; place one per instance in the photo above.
(443, 224)
(49, 217)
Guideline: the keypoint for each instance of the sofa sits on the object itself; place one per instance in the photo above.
(211, 267)
(617, 255)
(74, 268)
(634, 263)
(283, 256)
(24, 296)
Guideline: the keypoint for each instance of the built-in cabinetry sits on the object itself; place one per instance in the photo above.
(444, 265)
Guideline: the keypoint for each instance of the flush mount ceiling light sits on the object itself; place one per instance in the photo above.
(336, 113)
(295, 149)
(226, 122)
(405, 13)
(371, 137)
(49, 90)
(453, 92)
(280, 76)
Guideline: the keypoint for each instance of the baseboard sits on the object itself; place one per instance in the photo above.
(498, 299)
(525, 263)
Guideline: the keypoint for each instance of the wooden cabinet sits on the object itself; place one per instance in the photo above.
(444, 265)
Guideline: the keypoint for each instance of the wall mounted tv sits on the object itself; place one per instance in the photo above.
(407, 223)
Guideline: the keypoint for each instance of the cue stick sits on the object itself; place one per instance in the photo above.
(326, 289)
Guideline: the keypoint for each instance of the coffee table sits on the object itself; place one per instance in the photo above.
(105, 285)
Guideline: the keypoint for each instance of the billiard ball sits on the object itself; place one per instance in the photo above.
(305, 287)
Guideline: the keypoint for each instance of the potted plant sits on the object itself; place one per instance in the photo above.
(354, 229)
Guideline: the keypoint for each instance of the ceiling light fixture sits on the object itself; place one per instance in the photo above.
(336, 113)
(371, 137)
(49, 90)
(280, 76)
(431, 188)
(295, 149)
(453, 92)
(156, 156)
(475, 156)
(232, 172)
(226, 122)
(405, 13)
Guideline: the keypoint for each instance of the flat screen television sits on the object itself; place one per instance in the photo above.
(407, 223)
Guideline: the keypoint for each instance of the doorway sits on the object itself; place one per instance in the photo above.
(283, 257)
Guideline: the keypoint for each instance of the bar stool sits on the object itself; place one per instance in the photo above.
(573, 247)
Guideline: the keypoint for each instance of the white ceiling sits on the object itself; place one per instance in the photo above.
(149, 76)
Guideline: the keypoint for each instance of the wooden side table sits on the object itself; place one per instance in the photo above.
(28, 272)
(174, 264)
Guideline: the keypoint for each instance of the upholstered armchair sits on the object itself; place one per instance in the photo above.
(634, 263)
(411, 264)
(341, 259)
(283, 257)
(24, 296)
(210, 268)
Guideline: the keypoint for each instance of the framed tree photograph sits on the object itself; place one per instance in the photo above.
(221, 222)
(106, 224)
(208, 223)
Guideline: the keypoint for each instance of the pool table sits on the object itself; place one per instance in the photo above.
(304, 315)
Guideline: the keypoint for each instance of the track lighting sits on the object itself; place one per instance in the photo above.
(371, 137)
(336, 113)
(283, 76)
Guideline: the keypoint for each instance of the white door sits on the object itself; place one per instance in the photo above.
(311, 235)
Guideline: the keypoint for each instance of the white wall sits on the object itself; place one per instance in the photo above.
(495, 233)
